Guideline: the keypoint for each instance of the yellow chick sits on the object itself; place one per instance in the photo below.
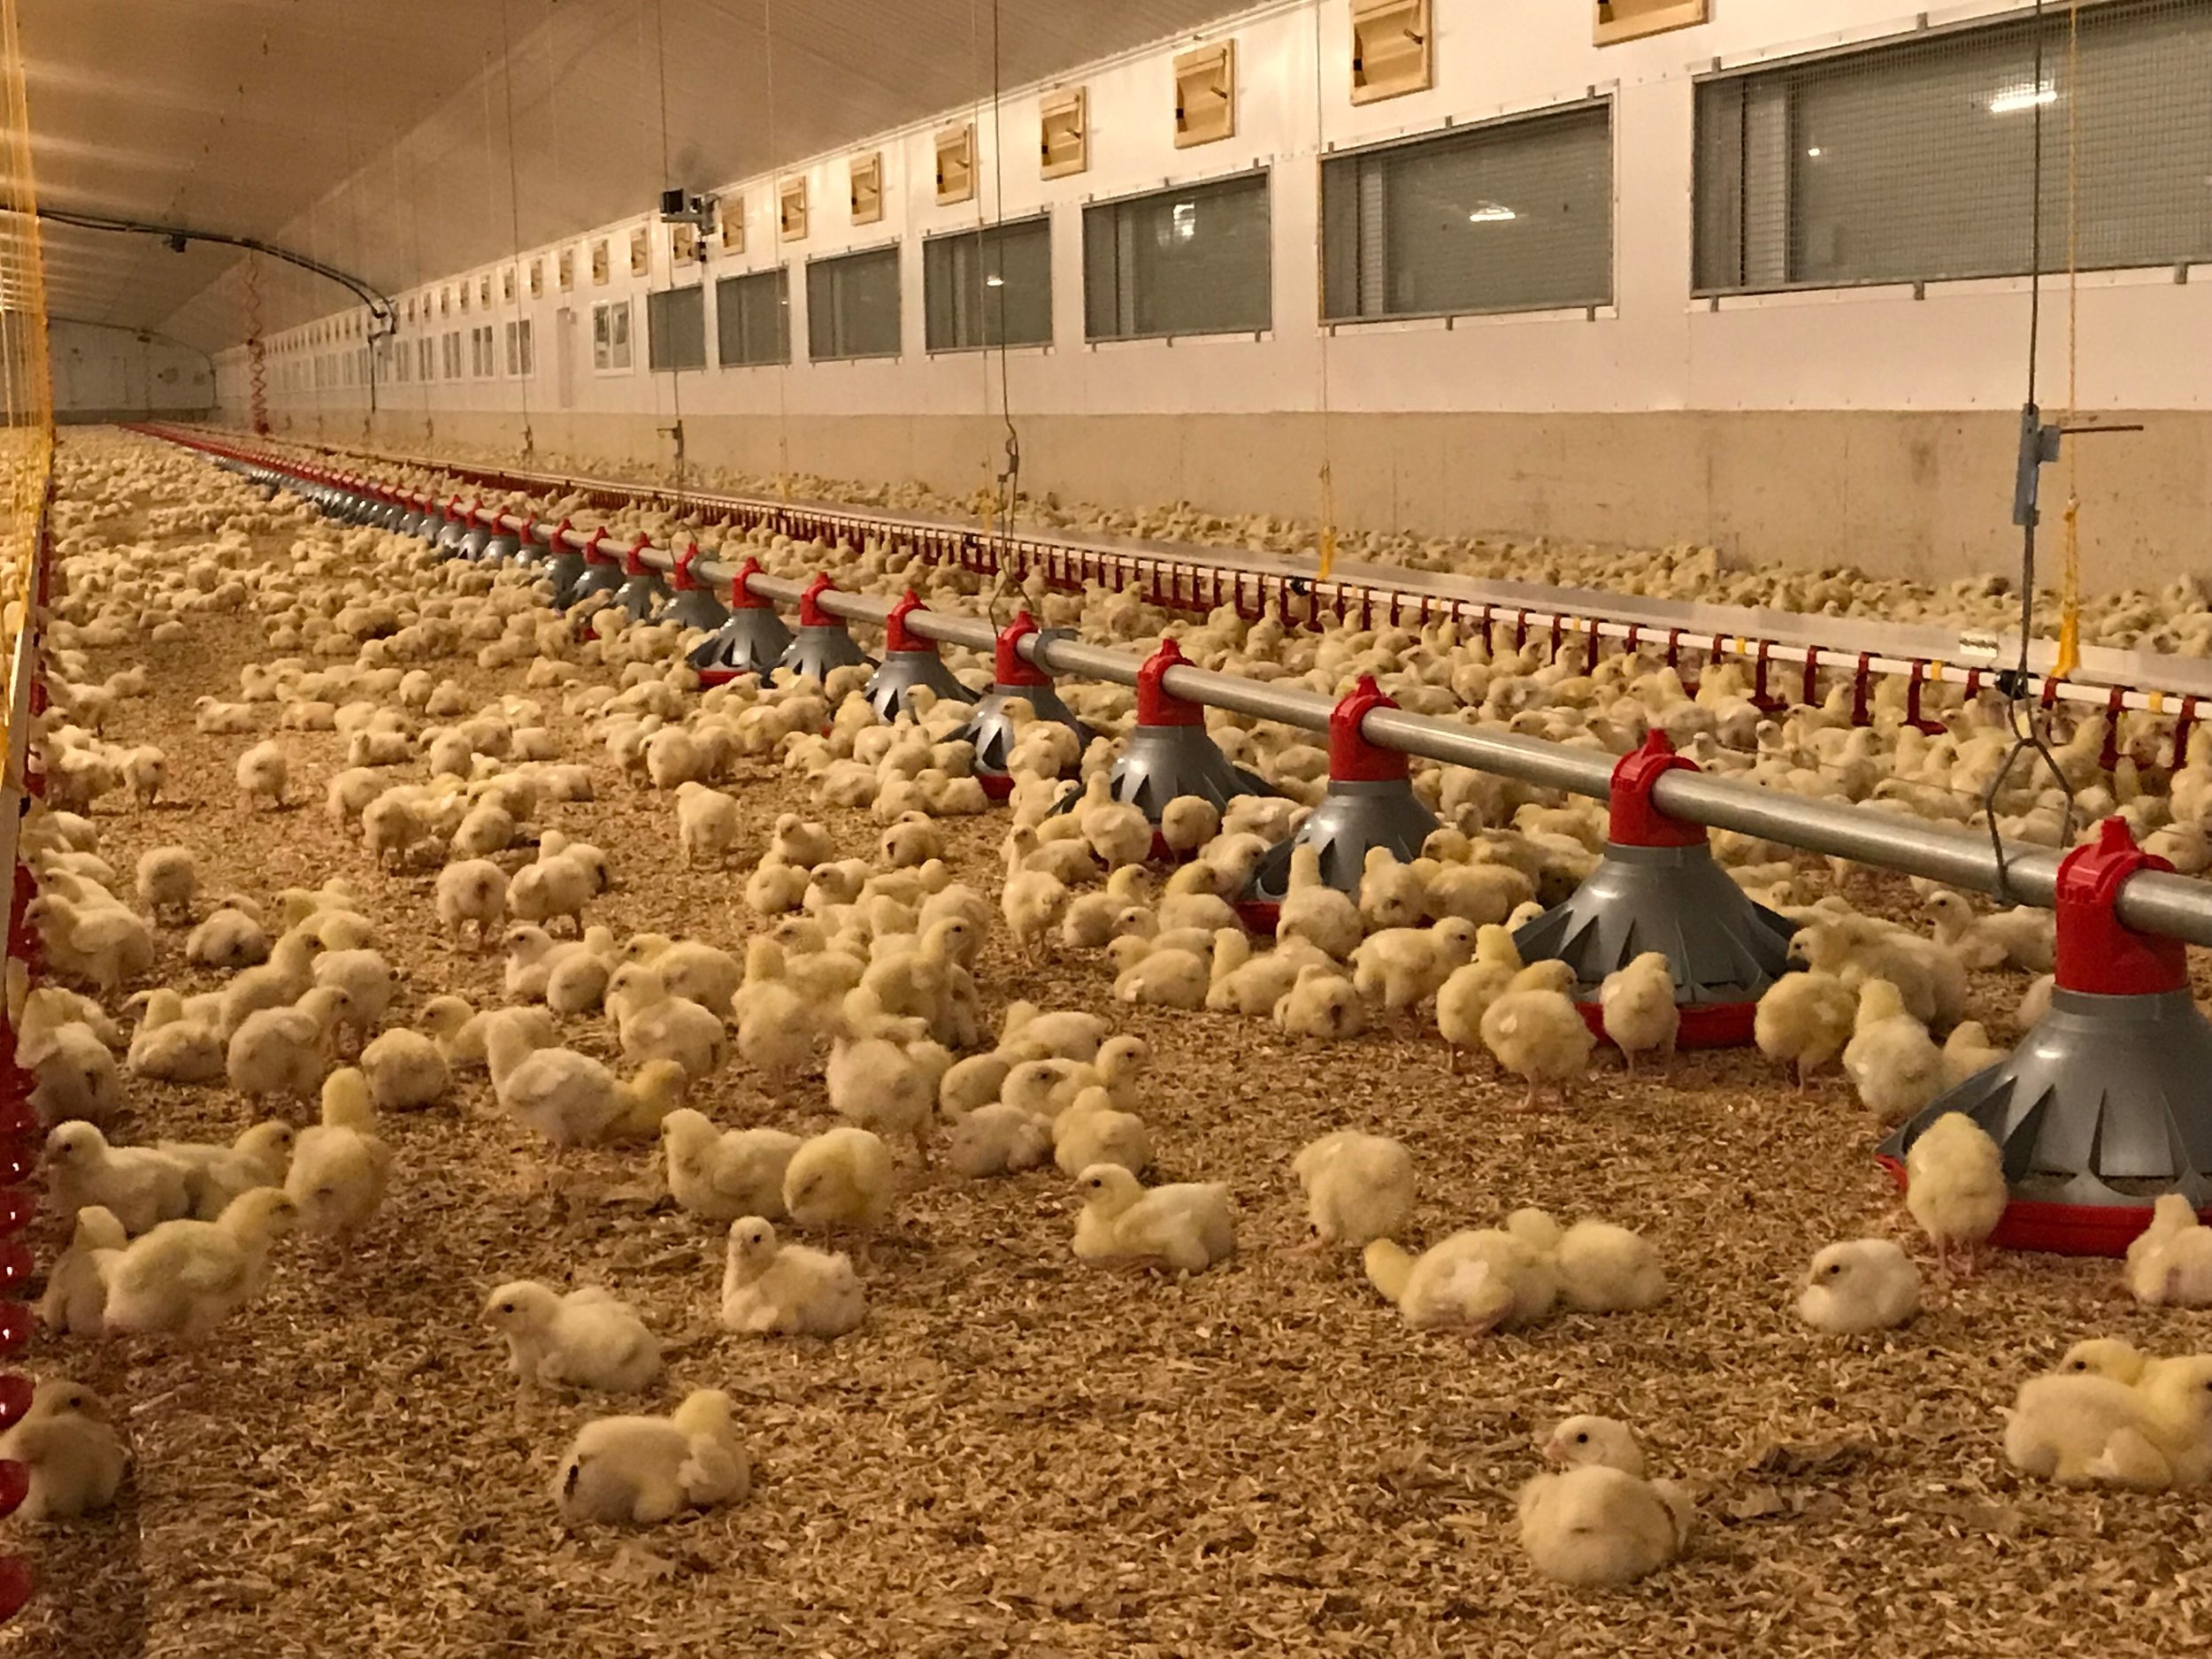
(640, 1470)
(1968, 1051)
(1893, 1062)
(1862, 1286)
(1359, 1188)
(75, 1295)
(338, 1166)
(772, 1288)
(1804, 1020)
(185, 1278)
(720, 1176)
(1639, 1009)
(1602, 1268)
(1467, 991)
(1474, 1282)
(1093, 1130)
(1534, 1031)
(839, 1179)
(1956, 1189)
(68, 1443)
(2170, 1263)
(584, 1340)
(1187, 1226)
(1600, 1522)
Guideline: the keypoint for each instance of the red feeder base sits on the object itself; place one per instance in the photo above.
(997, 785)
(1259, 916)
(2049, 1229)
(1704, 1024)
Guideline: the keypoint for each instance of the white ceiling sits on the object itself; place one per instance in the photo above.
(402, 140)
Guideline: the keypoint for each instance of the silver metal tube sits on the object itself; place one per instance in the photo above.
(1532, 760)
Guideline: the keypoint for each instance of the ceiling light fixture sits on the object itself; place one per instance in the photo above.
(2012, 100)
(1491, 214)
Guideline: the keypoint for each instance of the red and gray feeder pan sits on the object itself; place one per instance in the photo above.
(566, 564)
(449, 531)
(2106, 1104)
(499, 546)
(1657, 888)
(602, 573)
(1014, 676)
(692, 603)
(642, 591)
(823, 643)
(1167, 753)
(909, 660)
(1370, 803)
(751, 641)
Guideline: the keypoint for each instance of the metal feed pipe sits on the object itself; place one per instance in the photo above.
(2151, 901)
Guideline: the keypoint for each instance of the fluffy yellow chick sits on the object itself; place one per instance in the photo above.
(1967, 1051)
(639, 1471)
(1316, 912)
(138, 1184)
(1476, 1281)
(1639, 1009)
(76, 1296)
(571, 1099)
(720, 1176)
(1804, 1020)
(1893, 1062)
(1093, 1130)
(1467, 991)
(1187, 1226)
(1359, 1188)
(185, 1278)
(838, 1180)
(1600, 1522)
(584, 1340)
(68, 1443)
(2170, 1263)
(1602, 1268)
(340, 1166)
(1534, 1031)
(1956, 1189)
(772, 1288)
(996, 1138)
(2079, 1428)
(1858, 1286)
(1321, 1003)
(215, 1174)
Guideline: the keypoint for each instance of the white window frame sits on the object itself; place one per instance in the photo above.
(609, 355)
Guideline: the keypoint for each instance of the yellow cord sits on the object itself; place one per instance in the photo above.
(1328, 522)
(2069, 580)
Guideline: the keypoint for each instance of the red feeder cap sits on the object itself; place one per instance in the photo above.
(811, 612)
(2095, 952)
(1009, 666)
(742, 597)
(1352, 759)
(558, 539)
(595, 548)
(681, 578)
(633, 560)
(1633, 819)
(16, 1390)
(1156, 705)
(896, 635)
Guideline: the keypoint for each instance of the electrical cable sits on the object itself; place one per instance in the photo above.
(1326, 542)
(775, 230)
(675, 375)
(524, 365)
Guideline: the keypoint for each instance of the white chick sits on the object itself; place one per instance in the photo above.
(769, 1288)
(140, 1186)
(839, 1179)
(1859, 1287)
(890, 1087)
(1968, 1051)
(584, 1340)
(67, 1442)
(721, 1177)
(1600, 1522)
(1639, 1009)
(168, 882)
(1094, 1131)
(1321, 1004)
(340, 1167)
(1892, 1062)
(1956, 1189)
(1534, 1031)
(1474, 1282)
(1187, 1226)
(2079, 1428)
(2170, 1263)
(214, 1173)
(1602, 1268)
(996, 1138)
(185, 1278)
(405, 1070)
(639, 1471)
(1804, 1020)
(262, 772)
(1359, 1188)
(75, 1296)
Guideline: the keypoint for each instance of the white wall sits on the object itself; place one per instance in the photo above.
(108, 374)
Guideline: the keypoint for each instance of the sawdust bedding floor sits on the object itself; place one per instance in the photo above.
(1020, 1455)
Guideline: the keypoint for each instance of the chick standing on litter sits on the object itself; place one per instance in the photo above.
(639, 1469)
(585, 1340)
(1600, 1522)
(1954, 1187)
(340, 1166)
(1534, 1031)
(1636, 1004)
(1862, 1285)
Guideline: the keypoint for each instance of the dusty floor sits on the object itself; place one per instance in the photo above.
(1020, 1455)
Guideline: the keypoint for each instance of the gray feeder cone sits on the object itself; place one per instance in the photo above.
(2106, 1104)
(822, 643)
(1657, 888)
(448, 541)
(473, 542)
(695, 608)
(501, 547)
(1370, 804)
(752, 641)
(909, 660)
(1167, 753)
(642, 594)
(595, 578)
(1013, 675)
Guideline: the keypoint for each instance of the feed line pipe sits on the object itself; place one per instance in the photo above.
(2151, 901)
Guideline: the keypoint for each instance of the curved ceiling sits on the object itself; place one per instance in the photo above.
(403, 140)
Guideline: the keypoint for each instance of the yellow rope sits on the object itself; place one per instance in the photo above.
(2069, 580)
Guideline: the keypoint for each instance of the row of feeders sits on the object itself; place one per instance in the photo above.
(909, 661)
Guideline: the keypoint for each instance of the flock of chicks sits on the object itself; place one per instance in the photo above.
(865, 971)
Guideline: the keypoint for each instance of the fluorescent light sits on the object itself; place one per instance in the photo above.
(2011, 100)
(993, 281)
(1491, 214)
(1815, 152)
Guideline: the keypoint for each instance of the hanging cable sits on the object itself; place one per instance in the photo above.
(675, 375)
(2070, 577)
(1325, 546)
(524, 363)
(775, 230)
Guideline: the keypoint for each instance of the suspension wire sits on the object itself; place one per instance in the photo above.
(1006, 482)
(524, 367)
(2021, 716)
(775, 233)
(2069, 580)
(1326, 545)
(675, 375)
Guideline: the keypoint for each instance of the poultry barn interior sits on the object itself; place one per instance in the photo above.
(927, 828)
